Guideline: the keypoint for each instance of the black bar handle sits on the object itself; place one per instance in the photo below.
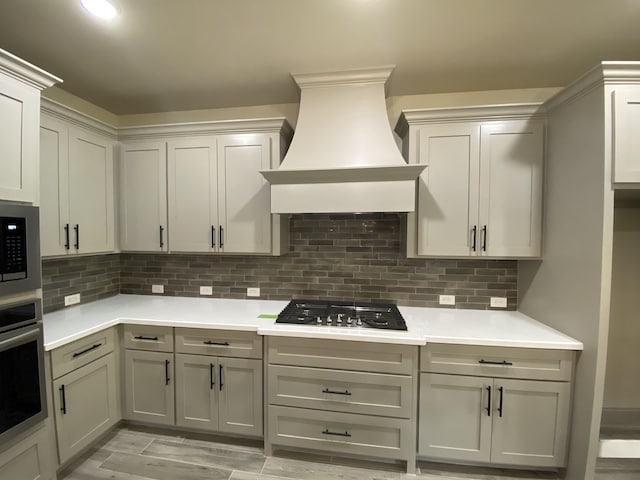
(491, 362)
(475, 235)
(211, 376)
(77, 230)
(67, 243)
(220, 378)
(166, 372)
(142, 337)
(221, 237)
(63, 409)
(489, 401)
(213, 236)
(346, 392)
(501, 390)
(340, 434)
(210, 342)
(161, 237)
(484, 238)
(86, 350)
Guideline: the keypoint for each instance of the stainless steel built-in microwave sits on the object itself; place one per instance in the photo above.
(19, 248)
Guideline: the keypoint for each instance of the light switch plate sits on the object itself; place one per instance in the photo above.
(447, 300)
(498, 302)
(157, 288)
(253, 292)
(206, 290)
(71, 299)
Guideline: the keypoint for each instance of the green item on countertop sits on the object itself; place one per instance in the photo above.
(266, 315)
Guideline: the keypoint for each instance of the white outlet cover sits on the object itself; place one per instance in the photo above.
(447, 300)
(253, 292)
(157, 288)
(72, 299)
(498, 302)
(206, 290)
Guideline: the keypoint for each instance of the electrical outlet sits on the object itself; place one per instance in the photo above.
(206, 290)
(253, 292)
(498, 302)
(71, 299)
(447, 300)
(157, 288)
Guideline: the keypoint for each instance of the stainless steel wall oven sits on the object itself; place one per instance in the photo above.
(23, 400)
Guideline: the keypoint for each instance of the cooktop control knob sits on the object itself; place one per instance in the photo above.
(318, 320)
(359, 322)
(339, 318)
(329, 320)
(349, 321)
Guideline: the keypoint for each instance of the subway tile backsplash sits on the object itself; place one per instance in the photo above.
(339, 256)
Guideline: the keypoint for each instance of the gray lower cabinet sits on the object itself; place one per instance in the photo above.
(219, 394)
(149, 393)
(85, 403)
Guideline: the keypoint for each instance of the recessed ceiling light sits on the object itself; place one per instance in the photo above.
(100, 8)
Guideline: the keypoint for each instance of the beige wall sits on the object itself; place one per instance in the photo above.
(622, 389)
(76, 103)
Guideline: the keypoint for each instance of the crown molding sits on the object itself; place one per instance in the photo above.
(25, 72)
(356, 76)
(77, 118)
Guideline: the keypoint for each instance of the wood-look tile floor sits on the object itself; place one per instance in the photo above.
(139, 453)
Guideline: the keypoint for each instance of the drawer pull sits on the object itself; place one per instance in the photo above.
(339, 434)
(142, 337)
(490, 362)
(209, 342)
(86, 350)
(346, 392)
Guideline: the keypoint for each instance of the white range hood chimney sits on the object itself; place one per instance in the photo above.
(343, 157)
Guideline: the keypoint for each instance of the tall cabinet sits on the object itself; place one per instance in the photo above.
(481, 194)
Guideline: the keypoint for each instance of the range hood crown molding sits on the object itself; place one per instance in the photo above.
(356, 76)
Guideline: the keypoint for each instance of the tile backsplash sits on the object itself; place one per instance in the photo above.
(331, 256)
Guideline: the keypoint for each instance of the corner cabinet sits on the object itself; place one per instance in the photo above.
(481, 194)
(201, 190)
(20, 86)
(77, 188)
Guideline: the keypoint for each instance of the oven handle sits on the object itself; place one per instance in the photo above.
(11, 339)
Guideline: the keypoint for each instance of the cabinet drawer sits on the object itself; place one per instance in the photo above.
(504, 362)
(77, 354)
(340, 391)
(146, 337)
(341, 432)
(224, 343)
(343, 355)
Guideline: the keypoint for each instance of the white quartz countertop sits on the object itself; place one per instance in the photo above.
(425, 325)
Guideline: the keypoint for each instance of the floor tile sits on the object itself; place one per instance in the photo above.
(125, 441)
(303, 470)
(236, 475)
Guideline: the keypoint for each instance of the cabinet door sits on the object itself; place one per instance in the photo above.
(447, 210)
(54, 187)
(197, 391)
(85, 402)
(532, 428)
(143, 184)
(192, 188)
(20, 118)
(31, 458)
(149, 395)
(455, 421)
(511, 162)
(626, 142)
(245, 205)
(91, 189)
(240, 390)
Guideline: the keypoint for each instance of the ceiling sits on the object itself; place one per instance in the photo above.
(168, 55)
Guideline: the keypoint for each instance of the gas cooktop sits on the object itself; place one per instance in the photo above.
(342, 314)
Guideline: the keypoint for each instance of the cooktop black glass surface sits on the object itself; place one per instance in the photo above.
(343, 314)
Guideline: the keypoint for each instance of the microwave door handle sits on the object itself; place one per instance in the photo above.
(12, 341)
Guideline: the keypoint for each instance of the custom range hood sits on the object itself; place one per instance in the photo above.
(343, 157)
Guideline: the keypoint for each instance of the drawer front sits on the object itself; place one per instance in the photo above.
(340, 391)
(223, 343)
(525, 363)
(81, 352)
(148, 337)
(341, 432)
(343, 355)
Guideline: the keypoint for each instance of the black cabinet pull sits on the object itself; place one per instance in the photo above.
(221, 237)
(210, 342)
(501, 390)
(491, 362)
(211, 376)
(220, 378)
(161, 237)
(213, 236)
(484, 238)
(166, 372)
(346, 392)
(340, 434)
(473, 238)
(489, 401)
(77, 230)
(67, 243)
(142, 337)
(86, 350)
(63, 409)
